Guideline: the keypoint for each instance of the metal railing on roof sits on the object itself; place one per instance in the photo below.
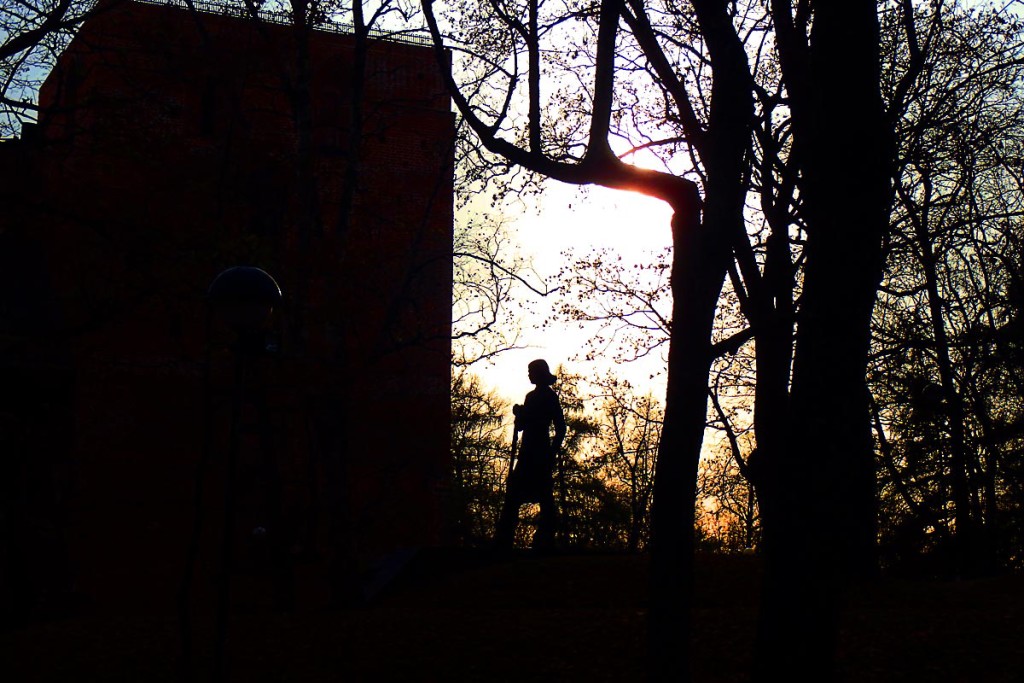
(282, 17)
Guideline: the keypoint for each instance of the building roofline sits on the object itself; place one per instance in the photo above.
(416, 37)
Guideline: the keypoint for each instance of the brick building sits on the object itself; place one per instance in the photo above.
(171, 145)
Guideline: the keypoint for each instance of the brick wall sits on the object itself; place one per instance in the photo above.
(167, 152)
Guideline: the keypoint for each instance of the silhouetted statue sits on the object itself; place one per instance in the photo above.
(530, 480)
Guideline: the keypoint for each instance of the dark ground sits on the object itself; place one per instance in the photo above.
(461, 617)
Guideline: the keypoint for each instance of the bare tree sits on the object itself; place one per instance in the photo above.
(502, 97)
(939, 344)
(488, 272)
(630, 432)
(33, 34)
(479, 458)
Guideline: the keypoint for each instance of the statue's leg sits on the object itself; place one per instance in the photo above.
(544, 539)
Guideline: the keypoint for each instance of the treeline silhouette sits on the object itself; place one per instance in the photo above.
(604, 484)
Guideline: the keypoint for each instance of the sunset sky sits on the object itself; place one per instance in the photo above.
(630, 223)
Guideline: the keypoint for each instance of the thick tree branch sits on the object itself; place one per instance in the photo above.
(597, 167)
(54, 21)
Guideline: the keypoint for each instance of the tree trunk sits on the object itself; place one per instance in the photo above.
(964, 522)
(700, 257)
(820, 525)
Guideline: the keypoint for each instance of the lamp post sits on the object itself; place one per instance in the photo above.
(244, 298)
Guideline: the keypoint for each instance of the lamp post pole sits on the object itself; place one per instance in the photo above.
(244, 297)
(227, 539)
